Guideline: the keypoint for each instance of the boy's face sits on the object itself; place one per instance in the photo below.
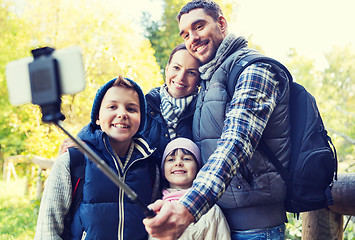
(180, 169)
(182, 75)
(119, 115)
(202, 34)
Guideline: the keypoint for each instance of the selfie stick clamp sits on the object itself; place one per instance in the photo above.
(45, 85)
(46, 92)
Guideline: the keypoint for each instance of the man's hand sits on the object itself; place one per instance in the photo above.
(170, 222)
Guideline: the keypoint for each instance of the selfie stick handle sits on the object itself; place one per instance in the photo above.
(109, 173)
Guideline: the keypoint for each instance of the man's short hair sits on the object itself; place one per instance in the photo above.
(210, 7)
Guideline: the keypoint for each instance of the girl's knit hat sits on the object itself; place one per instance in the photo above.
(184, 143)
(100, 95)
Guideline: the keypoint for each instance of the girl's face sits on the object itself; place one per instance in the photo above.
(119, 117)
(182, 75)
(180, 169)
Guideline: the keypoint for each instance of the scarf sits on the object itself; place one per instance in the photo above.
(173, 195)
(229, 45)
(172, 108)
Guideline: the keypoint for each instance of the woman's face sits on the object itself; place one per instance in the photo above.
(182, 75)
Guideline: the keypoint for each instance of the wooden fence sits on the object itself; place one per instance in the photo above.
(327, 224)
(324, 224)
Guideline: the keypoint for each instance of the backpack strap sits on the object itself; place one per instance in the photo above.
(77, 173)
(155, 180)
(245, 62)
(276, 162)
(233, 77)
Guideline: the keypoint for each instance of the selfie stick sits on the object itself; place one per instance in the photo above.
(45, 89)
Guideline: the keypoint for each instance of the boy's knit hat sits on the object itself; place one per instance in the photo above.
(101, 93)
(184, 143)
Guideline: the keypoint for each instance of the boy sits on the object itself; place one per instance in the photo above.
(105, 212)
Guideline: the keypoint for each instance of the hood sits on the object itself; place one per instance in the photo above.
(93, 137)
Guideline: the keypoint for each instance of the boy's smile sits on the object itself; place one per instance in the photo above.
(119, 116)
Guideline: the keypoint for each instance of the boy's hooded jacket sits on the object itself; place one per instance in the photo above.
(105, 211)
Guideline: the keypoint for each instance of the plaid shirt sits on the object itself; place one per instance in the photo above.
(254, 99)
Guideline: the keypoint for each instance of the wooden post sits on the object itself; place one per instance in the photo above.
(343, 193)
(39, 185)
(5, 170)
(322, 225)
(327, 224)
(43, 164)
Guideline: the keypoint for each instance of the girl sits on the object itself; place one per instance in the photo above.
(180, 164)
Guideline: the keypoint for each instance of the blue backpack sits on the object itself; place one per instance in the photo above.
(313, 162)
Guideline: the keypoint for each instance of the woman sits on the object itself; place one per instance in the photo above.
(170, 108)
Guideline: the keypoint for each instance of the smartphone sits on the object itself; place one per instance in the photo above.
(71, 72)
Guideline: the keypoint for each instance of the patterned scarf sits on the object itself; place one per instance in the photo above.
(229, 44)
(172, 108)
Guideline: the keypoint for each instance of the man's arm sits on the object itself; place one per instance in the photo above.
(254, 99)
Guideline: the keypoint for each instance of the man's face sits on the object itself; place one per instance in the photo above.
(202, 34)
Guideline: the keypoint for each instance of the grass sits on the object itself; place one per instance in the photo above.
(18, 212)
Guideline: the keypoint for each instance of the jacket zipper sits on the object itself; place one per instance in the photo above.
(121, 192)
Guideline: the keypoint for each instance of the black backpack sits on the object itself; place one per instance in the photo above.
(77, 173)
(313, 163)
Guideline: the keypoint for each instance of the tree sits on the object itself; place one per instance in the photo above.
(338, 87)
(333, 89)
(13, 40)
(109, 44)
(164, 34)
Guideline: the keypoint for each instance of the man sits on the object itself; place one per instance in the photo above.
(228, 131)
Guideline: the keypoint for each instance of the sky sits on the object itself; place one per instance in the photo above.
(312, 27)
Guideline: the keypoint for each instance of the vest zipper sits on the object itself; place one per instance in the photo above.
(121, 215)
(124, 170)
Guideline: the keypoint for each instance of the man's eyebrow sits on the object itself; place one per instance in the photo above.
(197, 21)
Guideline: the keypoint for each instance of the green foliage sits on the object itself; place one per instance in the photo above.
(164, 34)
(333, 89)
(338, 91)
(349, 233)
(18, 214)
(12, 32)
(293, 227)
(110, 47)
